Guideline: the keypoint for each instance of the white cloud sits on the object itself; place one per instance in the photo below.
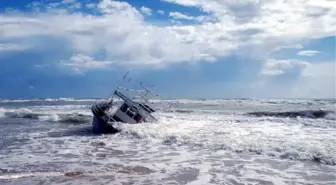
(118, 7)
(308, 53)
(81, 63)
(90, 5)
(276, 18)
(122, 32)
(273, 67)
(291, 46)
(178, 15)
(249, 28)
(326, 69)
(146, 10)
(160, 12)
(69, 4)
(5, 47)
(307, 80)
(317, 80)
(76, 5)
(68, 1)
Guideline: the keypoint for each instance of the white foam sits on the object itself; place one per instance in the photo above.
(182, 148)
(257, 135)
(48, 100)
(36, 174)
(2, 112)
(18, 112)
(52, 117)
(48, 113)
(331, 116)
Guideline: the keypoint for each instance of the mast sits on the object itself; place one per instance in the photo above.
(118, 86)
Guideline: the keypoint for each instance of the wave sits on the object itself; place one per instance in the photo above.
(289, 152)
(314, 114)
(66, 118)
(188, 101)
(49, 100)
(51, 117)
(182, 111)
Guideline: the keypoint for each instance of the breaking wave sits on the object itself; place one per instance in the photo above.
(47, 100)
(51, 117)
(314, 114)
(281, 152)
(191, 101)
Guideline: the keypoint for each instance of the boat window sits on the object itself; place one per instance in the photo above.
(130, 113)
(134, 109)
(147, 108)
(124, 107)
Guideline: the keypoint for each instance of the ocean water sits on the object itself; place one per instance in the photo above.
(242, 141)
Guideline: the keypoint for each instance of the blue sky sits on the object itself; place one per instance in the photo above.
(186, 48)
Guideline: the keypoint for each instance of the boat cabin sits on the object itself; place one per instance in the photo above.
(131, 111)
(133, 108)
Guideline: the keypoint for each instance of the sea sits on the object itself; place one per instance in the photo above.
(194, 142)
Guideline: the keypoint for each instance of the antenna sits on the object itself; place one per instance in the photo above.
(118, 86)
(151, 92)
(145, 94)
(123, 79)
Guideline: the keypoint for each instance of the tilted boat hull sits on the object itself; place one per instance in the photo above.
(122, 107)
(101, 126)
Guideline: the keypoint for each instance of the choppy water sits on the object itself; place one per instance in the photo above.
(199, 142)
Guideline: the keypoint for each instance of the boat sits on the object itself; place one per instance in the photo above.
(125, 105)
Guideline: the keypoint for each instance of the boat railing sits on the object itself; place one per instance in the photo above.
(129, 96)
(144, 93)
(130, 102)
(144, 106)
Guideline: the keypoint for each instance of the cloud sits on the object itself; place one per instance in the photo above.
(276, 18)
(291, 46)
(68, 1)
(295, 79)
(119, 29)
(273, 67)
(146, 10)
(81, 63)
(118, 7)
(317, 80)
(90, 5)
(6, 47)
(160, 12)
(76, 5)
(308, 53)
(71, 4)
(323, 69)
(178, 15)
(181, 16)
